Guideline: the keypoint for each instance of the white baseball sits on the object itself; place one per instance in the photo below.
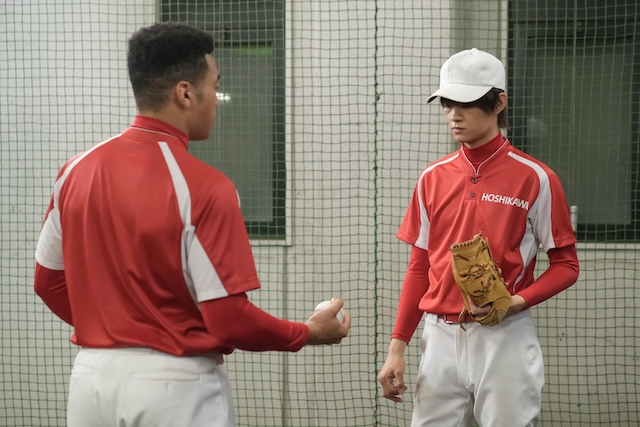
(325, 304)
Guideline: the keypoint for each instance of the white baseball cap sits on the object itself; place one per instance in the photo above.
(469, 75)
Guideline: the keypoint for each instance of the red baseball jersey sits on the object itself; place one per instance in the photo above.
(144, 231)
(515, 200)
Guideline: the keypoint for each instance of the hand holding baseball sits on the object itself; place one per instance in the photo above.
(329, 323)
(326, 304)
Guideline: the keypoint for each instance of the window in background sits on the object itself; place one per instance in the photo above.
(247, 142)
(575, 85)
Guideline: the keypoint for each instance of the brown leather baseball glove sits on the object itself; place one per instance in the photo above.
(479, 277)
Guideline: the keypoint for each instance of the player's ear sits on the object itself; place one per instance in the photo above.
(501, 103)
(182, 94)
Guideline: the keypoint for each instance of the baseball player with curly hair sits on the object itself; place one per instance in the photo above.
(491, 371)
(144, 251)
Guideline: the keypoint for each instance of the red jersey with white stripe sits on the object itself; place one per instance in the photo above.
(515, 200)
(144, 231)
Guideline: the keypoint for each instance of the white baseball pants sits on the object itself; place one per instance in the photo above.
(139, 387)
(494, 374)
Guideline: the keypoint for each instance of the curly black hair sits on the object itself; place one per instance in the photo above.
(162, 55)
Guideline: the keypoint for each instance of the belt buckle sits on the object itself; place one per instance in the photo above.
(447, 319)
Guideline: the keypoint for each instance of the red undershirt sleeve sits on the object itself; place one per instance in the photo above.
(562, 272)
(51, 286)
(415, 285)
(236, 322)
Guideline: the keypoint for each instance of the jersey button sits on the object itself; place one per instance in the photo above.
(474, 180)
(472, 195)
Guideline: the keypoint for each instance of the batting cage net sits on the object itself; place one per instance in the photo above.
(324, 128)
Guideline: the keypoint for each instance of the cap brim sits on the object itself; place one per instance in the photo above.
(460, 93)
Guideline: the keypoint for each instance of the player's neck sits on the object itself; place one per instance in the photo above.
(168, 115)
(483, 152)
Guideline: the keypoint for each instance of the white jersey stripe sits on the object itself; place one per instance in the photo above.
(540, 212)
(204, 273)
(538, 219)
(425, 225)
(49, 247)
(200, 275)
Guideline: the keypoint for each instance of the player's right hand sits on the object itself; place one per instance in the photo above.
(324, 326)
(391, 377)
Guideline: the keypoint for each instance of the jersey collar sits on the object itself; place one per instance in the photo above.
(478, 156)
(156, 125)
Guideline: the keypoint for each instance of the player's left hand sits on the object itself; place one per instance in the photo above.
(391, 377)
(516, 305)
(477, 311)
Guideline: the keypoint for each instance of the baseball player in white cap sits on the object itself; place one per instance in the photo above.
(494, 374)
